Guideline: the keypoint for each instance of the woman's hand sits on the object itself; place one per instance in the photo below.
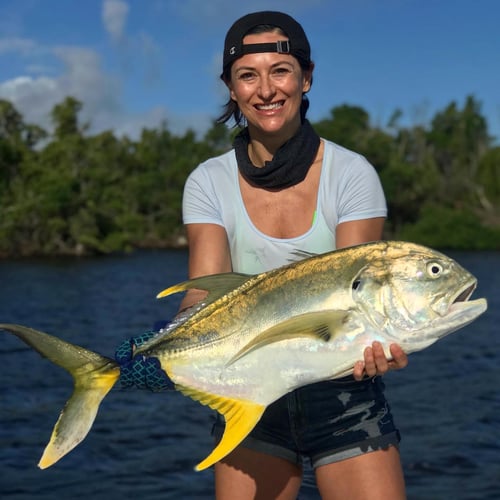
(375, 362)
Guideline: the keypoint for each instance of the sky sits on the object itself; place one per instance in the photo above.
(137, 63)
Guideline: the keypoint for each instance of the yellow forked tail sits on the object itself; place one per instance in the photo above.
(94, 376)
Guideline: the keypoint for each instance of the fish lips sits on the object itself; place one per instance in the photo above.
(462, 310)
(456, 313)
(443, 306)
(466, 311)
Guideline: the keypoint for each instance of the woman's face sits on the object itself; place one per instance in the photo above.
(268, 88)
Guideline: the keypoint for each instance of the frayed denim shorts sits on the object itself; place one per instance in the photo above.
(324, 422)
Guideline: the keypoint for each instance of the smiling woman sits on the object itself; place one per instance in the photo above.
(282, 66)
(268, 84)
(284, 191)
(268, 88)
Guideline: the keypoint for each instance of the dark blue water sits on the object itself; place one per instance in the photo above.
(144, 445)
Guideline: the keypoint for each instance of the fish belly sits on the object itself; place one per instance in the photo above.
(264, 375)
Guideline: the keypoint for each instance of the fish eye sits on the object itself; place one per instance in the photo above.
(434, 269)
(356, 284)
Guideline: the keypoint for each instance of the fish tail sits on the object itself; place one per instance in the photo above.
(94, 376)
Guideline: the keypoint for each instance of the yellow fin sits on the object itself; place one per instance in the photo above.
(78, 415)
(320, 325)
(216, 285)
(94, 376)
(241, 417)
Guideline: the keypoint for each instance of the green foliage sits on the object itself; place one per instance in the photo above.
(407, 187)
(459, 138)
(65, 118)
(443, 227)
(488, 176)
(347, 126)
(74, 193)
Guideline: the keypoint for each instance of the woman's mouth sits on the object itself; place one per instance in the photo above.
(270, 107)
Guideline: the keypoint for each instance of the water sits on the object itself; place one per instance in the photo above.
(144, 445)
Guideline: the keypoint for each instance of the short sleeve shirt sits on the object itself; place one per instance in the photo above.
(349, 190)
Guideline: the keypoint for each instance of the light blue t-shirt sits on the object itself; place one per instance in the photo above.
(349, 189)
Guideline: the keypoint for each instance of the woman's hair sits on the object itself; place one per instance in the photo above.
(231, 108)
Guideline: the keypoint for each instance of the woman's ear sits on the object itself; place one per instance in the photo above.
(307, 79)
(229, 87)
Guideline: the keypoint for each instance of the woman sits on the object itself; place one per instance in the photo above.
(283, 189)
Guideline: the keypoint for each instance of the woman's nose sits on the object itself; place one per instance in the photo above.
(266, 88)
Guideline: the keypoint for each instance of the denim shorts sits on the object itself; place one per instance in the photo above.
(324, 422)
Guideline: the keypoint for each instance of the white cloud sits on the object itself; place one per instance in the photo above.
(45, 75)
(39, 69)
(82, 77)
(15, 44)
(32, 97)
(28, 90)
(132, 125)
(114, 17)
(138, 53)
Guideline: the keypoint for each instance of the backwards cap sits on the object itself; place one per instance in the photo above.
(297, 44)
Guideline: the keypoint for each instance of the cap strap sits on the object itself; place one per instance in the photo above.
(281, 46)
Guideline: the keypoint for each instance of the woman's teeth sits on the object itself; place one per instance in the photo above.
(269, 107)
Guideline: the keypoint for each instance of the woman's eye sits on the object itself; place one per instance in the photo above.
(281, 71)
(245, 76)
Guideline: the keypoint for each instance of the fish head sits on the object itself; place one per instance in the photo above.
(414, 295)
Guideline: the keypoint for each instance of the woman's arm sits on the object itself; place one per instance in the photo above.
(208, 254)
(375, 361)
(348, 234)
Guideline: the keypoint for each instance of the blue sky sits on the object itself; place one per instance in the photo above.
(134, 63)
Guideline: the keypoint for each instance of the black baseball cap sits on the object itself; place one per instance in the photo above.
(297, 44)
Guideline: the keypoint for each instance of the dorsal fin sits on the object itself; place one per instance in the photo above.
(216, 285)
(241, 417)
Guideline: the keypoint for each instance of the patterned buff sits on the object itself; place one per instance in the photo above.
(143, 372)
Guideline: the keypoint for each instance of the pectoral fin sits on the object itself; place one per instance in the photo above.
(319, 325)
(241, 417)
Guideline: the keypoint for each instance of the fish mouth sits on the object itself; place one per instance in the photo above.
(447, 303)
(460, 303)
(460, 312)
(465, 294)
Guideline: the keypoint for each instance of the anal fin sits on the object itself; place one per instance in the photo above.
(241, 417)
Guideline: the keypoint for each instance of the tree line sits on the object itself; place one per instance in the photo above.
(73, 193)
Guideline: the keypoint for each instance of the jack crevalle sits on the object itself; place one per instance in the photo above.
(255, 338)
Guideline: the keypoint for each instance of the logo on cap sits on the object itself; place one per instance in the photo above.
(232, 50)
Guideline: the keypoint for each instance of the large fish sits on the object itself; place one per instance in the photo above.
(255, 338)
